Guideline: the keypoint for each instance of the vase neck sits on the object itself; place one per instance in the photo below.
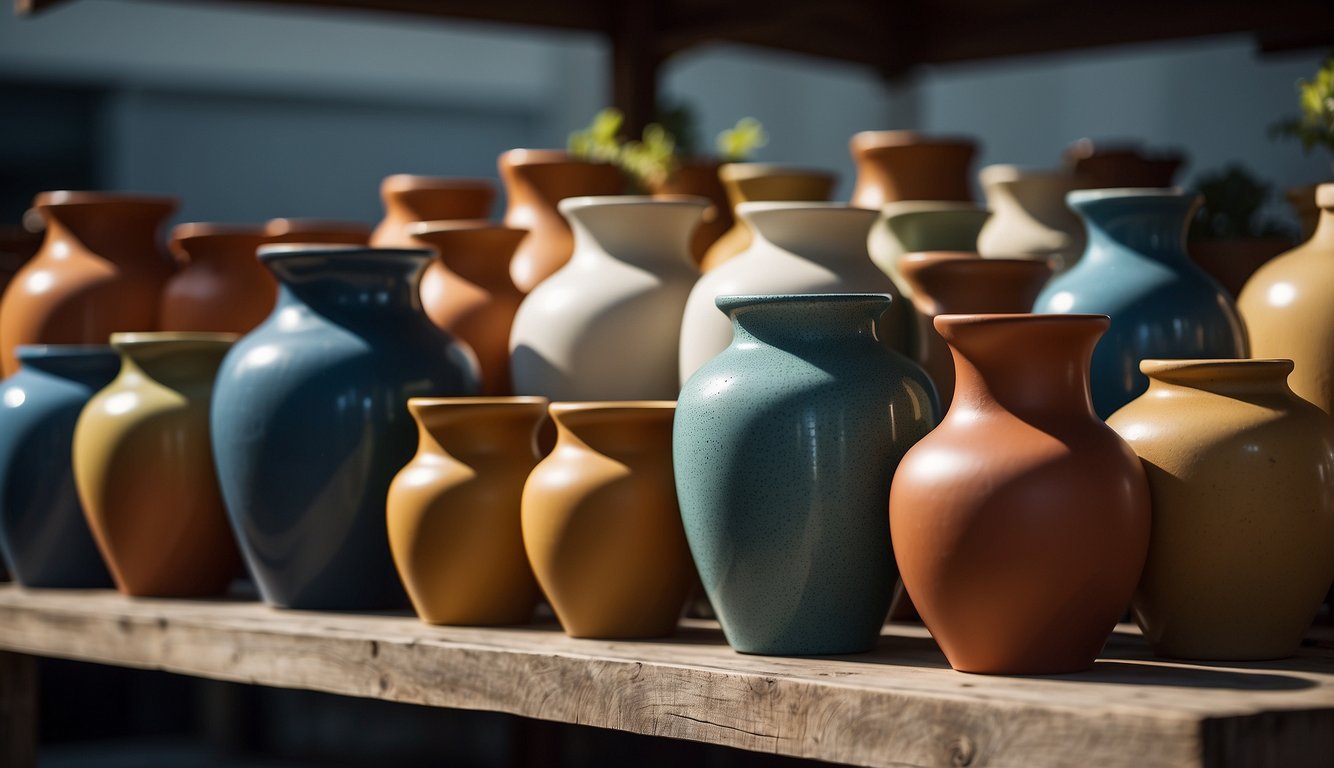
(350, 285)
(1237, 379)
(645, 233)
(92, 366)
(619, 431)
(1151, 224)
(800, 322)
(178, 362)
(219, 249)
(122, 231)
(831, 235)
(470, 427)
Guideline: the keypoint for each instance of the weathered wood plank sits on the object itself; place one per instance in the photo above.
(18, 710)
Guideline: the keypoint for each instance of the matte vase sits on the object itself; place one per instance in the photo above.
(409, 199)
(321, 231)
(1029, 217)
(918, 226)
(904, 165)
(756, 183)
(221, 286)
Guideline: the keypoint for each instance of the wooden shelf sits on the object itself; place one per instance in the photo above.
(900, 705)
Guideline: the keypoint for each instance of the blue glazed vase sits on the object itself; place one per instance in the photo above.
(310, 421)
(783, 449)
(1135, 269)
(44, 535)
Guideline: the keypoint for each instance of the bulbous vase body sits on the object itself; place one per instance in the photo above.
(756, 183)
(1029, 217)
(221, 286)
(904, 165)
(919, 226)
(409, 199)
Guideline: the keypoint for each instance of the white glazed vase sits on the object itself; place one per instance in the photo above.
(913, 226)
(603, 327)
(798, 248)
(1029, 217)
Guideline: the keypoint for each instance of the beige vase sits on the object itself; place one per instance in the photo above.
(762, 182)
(1029, 217)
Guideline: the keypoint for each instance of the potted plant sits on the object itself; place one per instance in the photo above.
(1231, 236)
(1314, 127)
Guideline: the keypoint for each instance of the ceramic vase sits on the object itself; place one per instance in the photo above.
(1029, 217)
(1103, 165)
(919, 226)
(453, 511)
(604, 327)
(1239, 470)
(699, 177)
(1021, 523)
(221, 286)
(601, 524)
(1233, 262)
(322, 231)
(798, 248)
(787, 528)
(100, 270)
(44, 536)
(1288, 306)
(762, 182)
(310, 420)
(1136, 270)
(904, 165)
(409, 199)
(536, 180)
(467, 290)
(144, 470)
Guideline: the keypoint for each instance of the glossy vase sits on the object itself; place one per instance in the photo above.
(918, 226)
(100, 269)
(310, 421)
(322, 231)
(604, 327)
(1239, 470)
(409, 199)
(1029, 217)
(601, 524)
(756, 183)
(1136, 270)
(798, 248)
(784, 446)
(1288, 306)
(144, 469)
(905, 165)
(536, 180)
(1021, 523)
(699, 177)
(44, 535)
(467, 290)
(453, 511)
(221, 286)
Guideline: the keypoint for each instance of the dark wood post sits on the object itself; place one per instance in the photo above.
(18, 710)
(635, 58)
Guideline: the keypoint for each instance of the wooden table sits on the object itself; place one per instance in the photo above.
(900, 705)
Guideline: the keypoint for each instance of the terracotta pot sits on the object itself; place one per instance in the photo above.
(761, 182)
(1103, 165)
(467, 290)
(453, 511)
(536, 180)
(700, 178)
(904, 165)
(1021, 523)
(919, 226)
(144, 468)
(221, 286)
(601, 524)
(1232, 262)
(100, 270)
(409, 199)
(1239, 469)
(1029, 217)
(322, 231)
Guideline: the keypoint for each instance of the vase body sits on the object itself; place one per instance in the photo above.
(1239, 469)
(601, 524)
(44, 535)
(1288, 306)
(789, 532)
(409, 199)
(605, 326)
(699, 177)
(221, 286)
(1232, 262)
(100, 270)
(761, 182)
(919, 226)
(322, 231)
(310, 421)
(904, 165)
(1135, 269)
(535, 182)
(453, 511)
(1021, 523)
(144, 469)
(1029, 217)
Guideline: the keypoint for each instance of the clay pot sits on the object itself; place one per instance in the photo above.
(1021, 523)
(221, 286)
(700, 178)
(919, 226)
(601, 524)
(100, 270)
(1232, 262)
(1029, 217)
(536, 180)
(1239, 469)
(409, 199)
(762, 182)
(467, 290)
(1103, 165)
(453, 511)
(323, 231)
(144, 468)
(904, 165)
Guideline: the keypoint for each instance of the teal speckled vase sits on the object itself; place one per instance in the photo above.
(783, 448)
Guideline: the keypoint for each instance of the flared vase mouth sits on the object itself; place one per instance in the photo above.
(1078, 196)
(517, 402)
(1324, 196)
(38, 352)
(610, 406)
(892, 139)
(923, 258)
(407, 182)
(138, 339)
(749, 210)
(743, 171)
(734, 302)
(1005, 173)
(428, 228)
(201, 229)
(289, 228)
(571, 205)
(907, 207)
(944, 323)
(522, 156)
(61, 197)
(339, 253)
(1217, 369)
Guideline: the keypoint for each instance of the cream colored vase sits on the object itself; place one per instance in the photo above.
(1029, 217)
(920, 226)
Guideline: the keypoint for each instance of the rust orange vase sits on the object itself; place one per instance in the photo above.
(409, 199)
(221, 286)
(323, 231)
(904, 165)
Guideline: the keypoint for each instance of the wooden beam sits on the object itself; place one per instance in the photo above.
(18, 710)
(635, 59)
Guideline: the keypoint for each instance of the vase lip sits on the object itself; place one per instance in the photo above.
(1077, 196)
(935, 257)
(516, 402)
(63, 351)
(135, 339)
(86, 197)
(404, 182)
(1234, 368)
(282, 251)
(1002, 173)
(891, 138)
(570, 204)
(947, 321)
(741, 171)
(419, 228)
(284, 227)
(1324, 195)
(525, 156)
(592, 406)
(730, 302)
(191, 230)
(763, 206)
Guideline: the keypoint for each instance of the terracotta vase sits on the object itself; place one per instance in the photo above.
(536, 180)
(100, 270)
(919, 226)
(1288, 306)
(601, 524)
(699, 177)
(453, 511)
(1239, 469)
(1232, 262)
(322, 231)
(1021, 523)
(1115, 166)
(762, 182)
(409, 199)
(904, 165)
(467, 290)
(956, 283)
(144, 468)
(221, 286)
(1029, 217)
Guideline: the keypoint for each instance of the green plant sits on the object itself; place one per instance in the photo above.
(1315, 126)
(1233, 200)
(737, 143)
(650, 160)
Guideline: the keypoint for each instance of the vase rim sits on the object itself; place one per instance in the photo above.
(729, 302)
(283, 226)
(132, 339)
(590, 406)
(1000, 173)
(418, 228)
(194, 229)
(402, 182)
(762, 206)
(1324, 195)
(281, 251)
(581, 202)
(525, 156)
(900, 137)
(1027, 318)
(62, 351)
(906, 207)
(512, 401)
(743, 170)
(1265, 367)
(1126, 193)
(85, 197)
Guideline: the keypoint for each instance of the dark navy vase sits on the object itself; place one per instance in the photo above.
(1135, 269)
(310, 421)
(44, 535)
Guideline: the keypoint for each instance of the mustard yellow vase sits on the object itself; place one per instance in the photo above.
(453, 511)
(601, 523)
